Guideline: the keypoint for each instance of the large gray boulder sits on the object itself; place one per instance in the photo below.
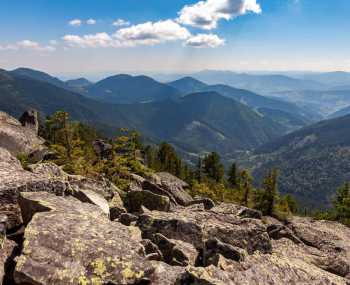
(195, 226)
(330, 239)
(69, 242)
(16, 138)
(166, 184)
(15, 180)
(135, 199)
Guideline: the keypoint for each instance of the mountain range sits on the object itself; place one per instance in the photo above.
(260, 83)
(198, 122)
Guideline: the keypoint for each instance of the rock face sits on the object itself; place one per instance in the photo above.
(16, 138)
(78, 246)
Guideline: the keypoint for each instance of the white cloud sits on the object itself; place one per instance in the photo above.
(152, 33)
(91, 41)
(91, 22)
(120, 23)
(75, 22)
(53, 42)
(205, 41)
(206, 14)
(28, 45)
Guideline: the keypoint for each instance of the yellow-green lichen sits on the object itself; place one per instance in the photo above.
(99, 267)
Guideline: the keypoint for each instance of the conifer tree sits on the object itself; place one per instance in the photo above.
(245, 182)
(341, 204)
(213, 167)
(232, 175)
(269, 194)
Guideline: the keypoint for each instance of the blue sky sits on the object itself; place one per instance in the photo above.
(96, 37)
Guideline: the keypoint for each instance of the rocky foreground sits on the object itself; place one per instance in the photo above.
(57, 228)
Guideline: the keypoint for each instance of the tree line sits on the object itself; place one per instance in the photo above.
(72, 145)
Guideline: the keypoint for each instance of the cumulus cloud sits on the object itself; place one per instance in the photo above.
(205, 41)
(206, 14)
(120, 23)
(91, 41)
(152, 33)
(143, 34)
(91, 22)
(28, 45)
(75, 22)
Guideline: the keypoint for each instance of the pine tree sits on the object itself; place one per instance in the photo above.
(245, 182)
(341, 204)
(267, 197)
(213, 167)
(232, 175)
(199, 170)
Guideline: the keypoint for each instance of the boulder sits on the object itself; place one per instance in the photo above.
(29, 119)
(210, 275)
(102, 149)
(89, 196)
(136, 199)
(14, 180)
(276, 269)
(69, 242)
(331, 239)
(152, 250)
(175, 187)
(16, 138)
(213, 247)
(116, 207)
(175, 252)
(8, 251)
(207, 203)
(166, 274)
(127, 219)
(195, 226)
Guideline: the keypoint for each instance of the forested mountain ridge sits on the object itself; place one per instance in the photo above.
(313, 161)
(195, 123)
(128, 89)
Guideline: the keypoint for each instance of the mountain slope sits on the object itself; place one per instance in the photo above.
(313, 161)
(18, 93)
(282, 112)
(205, 122)
(38, 75)
(79, 82)
(324, 102)
(340, 113)
(130, 89)
(187, 85)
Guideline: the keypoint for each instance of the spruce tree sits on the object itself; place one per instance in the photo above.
(245, 182)
(232, 175)
(341, 204)
(269, 194)
(213, 167)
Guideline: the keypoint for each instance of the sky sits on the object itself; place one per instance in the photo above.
(97, 37)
